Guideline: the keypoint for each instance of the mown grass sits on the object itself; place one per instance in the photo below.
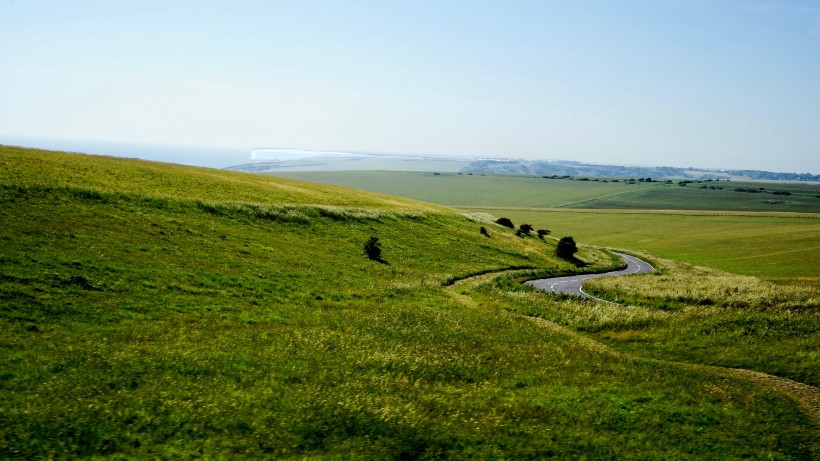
(199, 321)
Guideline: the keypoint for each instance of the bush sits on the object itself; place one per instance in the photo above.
(373, 249)
(542, 232)
(484, 231)
(525, 229)
(566, 248)
(505, 222)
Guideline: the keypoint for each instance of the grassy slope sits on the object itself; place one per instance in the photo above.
(753, 237)
(692, 314)
(150, 311)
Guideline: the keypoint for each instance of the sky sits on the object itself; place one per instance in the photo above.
(689, 83)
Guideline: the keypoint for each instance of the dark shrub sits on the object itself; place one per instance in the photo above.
(505, 222)
(484, 231)
(542, 232)
(373, 249)
(525, 229)
(566, 248)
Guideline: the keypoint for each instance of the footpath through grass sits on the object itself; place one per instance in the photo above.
(232, 316)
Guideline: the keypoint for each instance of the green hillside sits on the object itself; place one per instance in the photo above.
(709, 223)
(160, 311)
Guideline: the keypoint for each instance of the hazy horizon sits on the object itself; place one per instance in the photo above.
(225, 157)
(684, 83)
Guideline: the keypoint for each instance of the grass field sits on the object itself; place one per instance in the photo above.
(739, 232)
(503, 191)
(691, 314)
(158, 311)
(777, 247)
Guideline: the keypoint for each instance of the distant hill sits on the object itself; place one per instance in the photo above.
(290, 160)
(569, 168)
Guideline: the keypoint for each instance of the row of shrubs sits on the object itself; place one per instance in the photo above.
(762, 189)
(523, 230)
(566, 247)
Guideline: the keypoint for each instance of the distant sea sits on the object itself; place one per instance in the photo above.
(185, 155)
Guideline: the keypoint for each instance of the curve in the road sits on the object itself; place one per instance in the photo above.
(573, 285)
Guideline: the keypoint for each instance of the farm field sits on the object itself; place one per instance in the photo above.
(782, 247)
(739, 232)
(453, 189)
(159, 311)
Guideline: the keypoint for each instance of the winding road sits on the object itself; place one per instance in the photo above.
(572, 285)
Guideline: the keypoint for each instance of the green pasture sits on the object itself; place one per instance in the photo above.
(454, 189)
(762, 245)
(165, 312)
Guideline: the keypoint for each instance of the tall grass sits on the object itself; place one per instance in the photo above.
(699, 315)
(679, 285)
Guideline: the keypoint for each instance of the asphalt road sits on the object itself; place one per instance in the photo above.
(572, 285)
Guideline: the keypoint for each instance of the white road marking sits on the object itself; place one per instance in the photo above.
(634, 266)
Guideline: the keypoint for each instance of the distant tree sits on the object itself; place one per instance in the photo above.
(373, 249)
(542, 232)
(525, 229)
(505, 222)
(566, 248)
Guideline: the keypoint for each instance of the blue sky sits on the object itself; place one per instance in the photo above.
(720, 84)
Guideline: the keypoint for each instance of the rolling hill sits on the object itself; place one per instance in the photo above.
(158, 311)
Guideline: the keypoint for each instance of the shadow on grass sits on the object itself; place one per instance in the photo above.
(577, 262)
(380, 261)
